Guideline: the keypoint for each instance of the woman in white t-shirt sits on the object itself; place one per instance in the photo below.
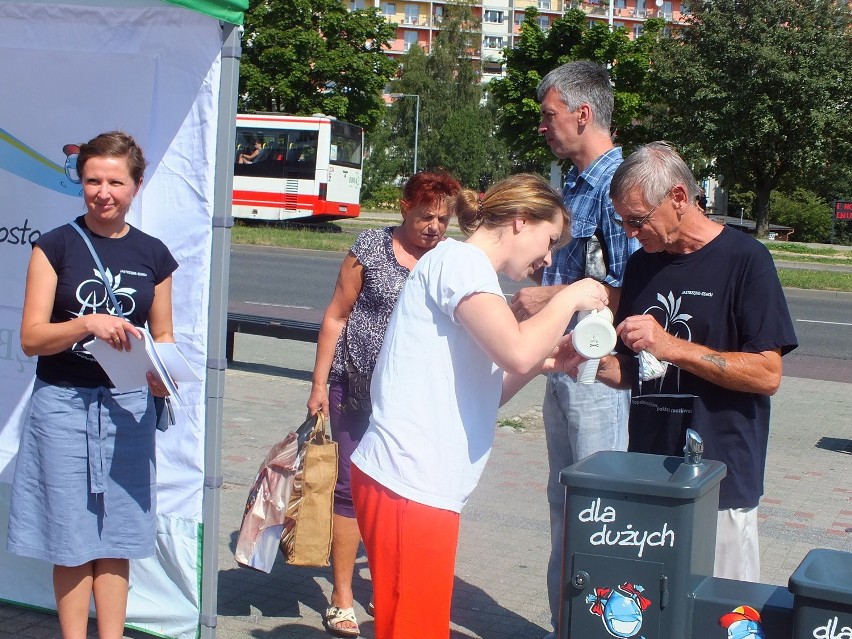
(452, 353)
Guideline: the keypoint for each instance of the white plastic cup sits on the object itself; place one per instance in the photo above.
(593, 337)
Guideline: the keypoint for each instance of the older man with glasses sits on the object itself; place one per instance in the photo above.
(703, 308)
(637, 221)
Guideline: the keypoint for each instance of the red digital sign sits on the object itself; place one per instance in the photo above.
(843, 210)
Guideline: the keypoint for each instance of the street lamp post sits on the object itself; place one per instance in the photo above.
(416, 120)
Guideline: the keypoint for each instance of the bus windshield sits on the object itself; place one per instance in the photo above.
(345, 145)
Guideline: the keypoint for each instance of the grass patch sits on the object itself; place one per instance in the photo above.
(322, 236)
(793, 247)
(318, 237)
(512, 422)
(811, 259)
(792, 252)
(816, 280)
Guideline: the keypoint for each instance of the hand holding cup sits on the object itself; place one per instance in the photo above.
(593, 338)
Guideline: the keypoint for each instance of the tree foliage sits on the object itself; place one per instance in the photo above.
(570, 38)
(805, 212)
(760, 88)
(456, 131)
(467, 147)
(382, 163)
(315, 56)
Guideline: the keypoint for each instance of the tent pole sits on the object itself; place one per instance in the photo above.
(217, 325)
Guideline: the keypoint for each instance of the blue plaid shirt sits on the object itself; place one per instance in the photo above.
(587, 197)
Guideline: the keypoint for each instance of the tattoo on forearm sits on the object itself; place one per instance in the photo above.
(718, 360)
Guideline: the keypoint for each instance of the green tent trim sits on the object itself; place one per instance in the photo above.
(227, 10)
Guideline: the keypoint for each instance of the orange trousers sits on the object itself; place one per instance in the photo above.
(411, 551)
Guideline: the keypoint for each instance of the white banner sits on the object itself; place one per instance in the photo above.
(67, 73)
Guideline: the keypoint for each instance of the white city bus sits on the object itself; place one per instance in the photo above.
(289, 167)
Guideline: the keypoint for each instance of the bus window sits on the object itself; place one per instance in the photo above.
(345, 145)
(246, 141)
(269, 161)
(346, 152)
(301, 157)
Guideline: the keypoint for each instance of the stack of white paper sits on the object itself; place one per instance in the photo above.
(128, 369)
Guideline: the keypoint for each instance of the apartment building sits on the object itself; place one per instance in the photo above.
(418, 21)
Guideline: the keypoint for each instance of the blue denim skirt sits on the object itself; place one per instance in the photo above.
(85, 477)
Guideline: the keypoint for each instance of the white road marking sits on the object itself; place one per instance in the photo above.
(821, 322)
(278, 305)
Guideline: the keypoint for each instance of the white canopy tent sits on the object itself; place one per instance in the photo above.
(166, 72)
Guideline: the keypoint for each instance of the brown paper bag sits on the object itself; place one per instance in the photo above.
(266, 506)
(306, 539)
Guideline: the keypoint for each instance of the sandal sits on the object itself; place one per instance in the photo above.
(334, 616)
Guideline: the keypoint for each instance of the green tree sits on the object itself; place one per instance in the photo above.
(761, 88)
(403, 117)
(382, 164)
(466, 146)
(456, 132)
(804, 211)
(310, 56)
(453, 124)
(570, 38)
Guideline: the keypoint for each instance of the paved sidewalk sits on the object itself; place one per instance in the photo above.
(500, 572)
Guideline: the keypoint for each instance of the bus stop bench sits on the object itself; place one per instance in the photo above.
(268, 327)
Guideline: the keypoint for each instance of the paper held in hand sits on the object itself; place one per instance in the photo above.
(128, 369)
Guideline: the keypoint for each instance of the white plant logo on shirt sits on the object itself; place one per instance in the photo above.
(92, 295)
(675, 322)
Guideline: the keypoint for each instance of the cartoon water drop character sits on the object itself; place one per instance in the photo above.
(620, 609)
(743, 623)
(71, 152)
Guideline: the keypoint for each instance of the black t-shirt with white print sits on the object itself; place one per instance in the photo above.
(134, 264)
(726, 296)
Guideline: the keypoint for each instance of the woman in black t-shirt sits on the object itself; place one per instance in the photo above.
(83, 496)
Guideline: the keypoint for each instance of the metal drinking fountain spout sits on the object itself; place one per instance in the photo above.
(694, 448)
(691, 466)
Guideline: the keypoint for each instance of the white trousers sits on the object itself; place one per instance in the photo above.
(737, 545)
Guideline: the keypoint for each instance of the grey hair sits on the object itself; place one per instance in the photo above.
(656, 168)
(582, 82)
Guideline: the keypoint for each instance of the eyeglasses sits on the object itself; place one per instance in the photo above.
(638, 222)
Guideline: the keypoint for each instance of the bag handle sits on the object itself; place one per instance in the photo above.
(320, 428)
(312, 429)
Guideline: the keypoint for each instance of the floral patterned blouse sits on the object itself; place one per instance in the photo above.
(383, 280)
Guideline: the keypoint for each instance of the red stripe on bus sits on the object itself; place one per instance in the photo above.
(265, 199)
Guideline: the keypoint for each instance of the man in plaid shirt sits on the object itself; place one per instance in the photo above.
(579, 419)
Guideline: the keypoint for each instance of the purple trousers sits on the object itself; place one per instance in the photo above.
(347, 429)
